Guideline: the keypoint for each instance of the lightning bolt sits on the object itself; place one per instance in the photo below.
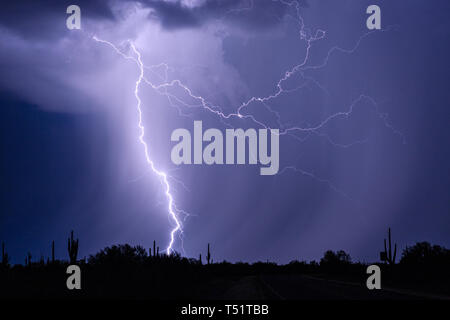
(171, 207)
(163, 176)
(306, 35)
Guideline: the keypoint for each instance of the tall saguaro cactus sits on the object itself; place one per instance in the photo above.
(72, 247)
(28, 259)
(5, 257)
(53, 251)
(387, 254)
(208, 255)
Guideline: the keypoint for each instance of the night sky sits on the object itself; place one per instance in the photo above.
(71, 157)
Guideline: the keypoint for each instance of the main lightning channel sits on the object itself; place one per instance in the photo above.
(172, 209)
(162, 175)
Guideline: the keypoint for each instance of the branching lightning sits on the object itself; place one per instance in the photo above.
(172, 209)
(309, 38)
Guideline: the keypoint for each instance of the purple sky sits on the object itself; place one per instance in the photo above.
(377, 158)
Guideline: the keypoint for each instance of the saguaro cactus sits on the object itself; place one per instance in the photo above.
(5, 257)
(154, 248)
(387, 254)
(72, 247)
(28, 259)
(53, 251)
(208, 256)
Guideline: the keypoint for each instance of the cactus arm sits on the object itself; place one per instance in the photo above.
(208, 256)
(390, 245)
(72, 248)
(395, 253)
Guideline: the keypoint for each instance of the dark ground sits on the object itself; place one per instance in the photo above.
(132, 284)
(126, 272)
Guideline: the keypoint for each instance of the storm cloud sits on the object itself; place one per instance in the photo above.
(249, 13)
(73, 158)
(45, 19)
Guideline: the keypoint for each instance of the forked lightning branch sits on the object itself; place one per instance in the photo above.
(236, 146)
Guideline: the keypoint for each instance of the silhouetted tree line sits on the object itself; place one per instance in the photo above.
(423, 254)
(131, 271)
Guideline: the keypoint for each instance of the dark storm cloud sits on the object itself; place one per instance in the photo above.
(76, 168)
(43, 19)
(253, 14)
(35, 19)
